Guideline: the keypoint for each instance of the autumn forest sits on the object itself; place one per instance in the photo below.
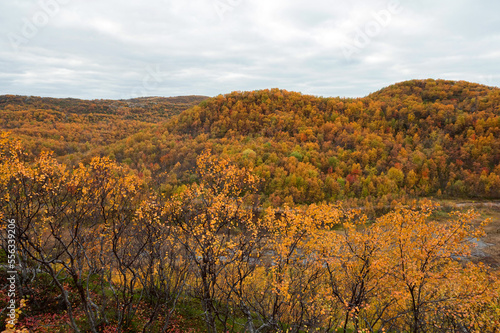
(259, 211)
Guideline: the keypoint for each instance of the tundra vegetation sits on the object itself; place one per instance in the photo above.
(100, 251)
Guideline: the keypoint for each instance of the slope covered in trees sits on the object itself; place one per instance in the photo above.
(416, 138)
(98, 251)
(72, 127)
(412, 139)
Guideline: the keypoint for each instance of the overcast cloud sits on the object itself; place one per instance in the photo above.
(122, 49)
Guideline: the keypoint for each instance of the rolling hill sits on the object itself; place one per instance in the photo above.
(412, 139)
(72, 127)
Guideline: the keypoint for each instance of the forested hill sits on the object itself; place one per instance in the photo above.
(72, 127)
(426, 103)
(412, 139)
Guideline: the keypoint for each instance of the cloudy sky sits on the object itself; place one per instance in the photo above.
(122, 49)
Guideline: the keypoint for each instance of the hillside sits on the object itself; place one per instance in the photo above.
(412, 139)
(72, 127)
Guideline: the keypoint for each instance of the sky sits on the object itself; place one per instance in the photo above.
(119, 49)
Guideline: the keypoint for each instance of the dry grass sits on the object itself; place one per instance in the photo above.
(492, 238)
(490, 252)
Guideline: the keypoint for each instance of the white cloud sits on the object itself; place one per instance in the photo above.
(103, 48)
